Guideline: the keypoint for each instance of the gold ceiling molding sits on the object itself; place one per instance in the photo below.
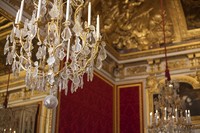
(179, 64)
(5, 26)
(6, 15)
(171, 49)
(3, 35)
(2, 19)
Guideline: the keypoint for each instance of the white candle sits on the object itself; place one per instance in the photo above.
(89, 14)
(17, 17)
(150, 118)
(176, 114)
(189, 118)
(157, 120)
(21, 10)
(188, 111)
(186, 116)
(165, 112)
(67, 10)
(185, 113)
(14, 132)
(173, 118)
(98, 27)
(68, 48)
(39, 8)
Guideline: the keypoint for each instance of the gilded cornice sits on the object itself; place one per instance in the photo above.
(159, 51)
(6, 15)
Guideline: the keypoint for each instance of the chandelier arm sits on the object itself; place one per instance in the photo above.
(38, 34)
(21, 63)
(23, 67)
(20, 56)
(75, 3)
(96, 50)
(77, 11)
(86, 64)
(59, 45)
(63, 3)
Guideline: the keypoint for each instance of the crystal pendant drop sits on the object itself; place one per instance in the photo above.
(6, 47)
(91, 39)
(54, 12)
(102, 52)
(77, 47)
(77, 29)
(9, 59)
(66, 34)
(61, 54)
(99, 63)
(51, 60)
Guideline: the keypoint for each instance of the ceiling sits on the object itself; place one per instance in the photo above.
(132, 30)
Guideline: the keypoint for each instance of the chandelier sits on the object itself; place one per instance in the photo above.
(55, 46)
(7, 124)
(170, 115)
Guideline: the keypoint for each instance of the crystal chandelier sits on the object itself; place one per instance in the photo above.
(170, 115)
(55, 46)
(7, 123)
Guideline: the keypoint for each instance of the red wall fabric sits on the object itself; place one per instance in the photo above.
(89, 110)
(129, 109)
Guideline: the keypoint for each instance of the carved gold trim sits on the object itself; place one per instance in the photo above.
(6, 25)
(6, 15)
(158, 51)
